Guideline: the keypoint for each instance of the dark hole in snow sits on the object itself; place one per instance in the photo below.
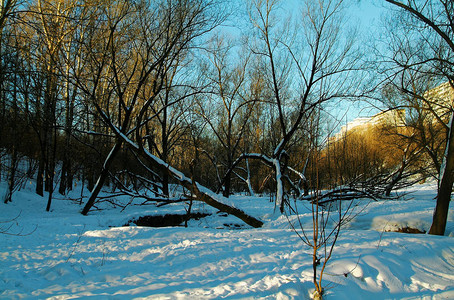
(233, 226)
(407, 230)
(166, 220)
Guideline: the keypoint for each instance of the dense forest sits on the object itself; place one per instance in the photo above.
(137, 97)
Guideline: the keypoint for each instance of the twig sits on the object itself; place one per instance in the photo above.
(77, 243)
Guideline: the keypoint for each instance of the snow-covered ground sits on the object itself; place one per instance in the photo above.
(63, 255)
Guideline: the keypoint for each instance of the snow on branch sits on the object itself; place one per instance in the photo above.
(202, 193)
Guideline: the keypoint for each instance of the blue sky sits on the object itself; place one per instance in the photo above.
(366, 14)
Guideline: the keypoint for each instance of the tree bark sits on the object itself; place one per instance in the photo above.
(66, 172)
(15, 141)
(445, 188)
(51, 169)
(40, 177)
(249, 179)
(12, 176)
(396, 177)
(102, 177)
(227, 181)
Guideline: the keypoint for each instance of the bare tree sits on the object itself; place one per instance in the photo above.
(329, 214)
(71, 50)
(122, 75)
(167, 127)
(6, 9)
(13, 127)
(422, 58)
(327, 223)
(324, 64)
(55, 24)
(231, 106)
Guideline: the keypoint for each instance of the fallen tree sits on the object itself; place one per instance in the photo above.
(200, 192)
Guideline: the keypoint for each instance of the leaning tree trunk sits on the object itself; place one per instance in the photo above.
(445, 188)
(201, 193)
(102, 177)
(396, 177)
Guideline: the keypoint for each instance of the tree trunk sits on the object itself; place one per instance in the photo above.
(396, 177)
(63, 178)
(12, 176)
(445, 188)
(228, 177)
(205, 197)
(65, 183)
(51, 168)
(249, 179)
(51, 192)
(165, 146)
(90, 178)
(227, 181)
(165, 150)
(70, 96)
(40, 176)
(14, 142)
(66, 172)
(2, 99)
(102, 177)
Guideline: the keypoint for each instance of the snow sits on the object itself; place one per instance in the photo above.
(64, 255)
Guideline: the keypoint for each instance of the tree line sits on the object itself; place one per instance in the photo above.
(146, 94)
